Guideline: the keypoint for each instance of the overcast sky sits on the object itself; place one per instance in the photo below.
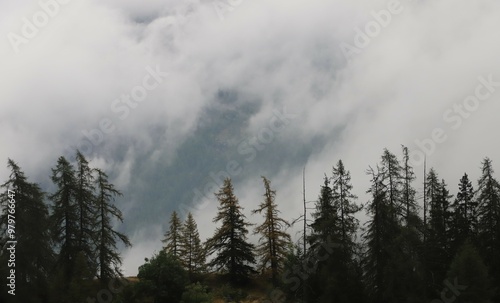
(364, 74)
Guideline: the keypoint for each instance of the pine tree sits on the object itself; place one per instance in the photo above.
(23, 210)
(192, 253)
(464, 213)
(274, 241)
(235, 255)
(64, 218)
(172, 238)
(488, 199)
(109, 259)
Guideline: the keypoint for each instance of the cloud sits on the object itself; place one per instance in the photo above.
(278, 54)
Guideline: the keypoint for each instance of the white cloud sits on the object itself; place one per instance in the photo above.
(285, 53)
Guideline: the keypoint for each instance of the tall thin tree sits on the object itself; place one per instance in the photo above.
(274, 241)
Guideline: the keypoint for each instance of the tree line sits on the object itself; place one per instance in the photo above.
(415, 246)
(67, 247)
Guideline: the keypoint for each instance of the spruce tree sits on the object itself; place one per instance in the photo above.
(347, 208)
(274, 241)
(334, 229)
(172, 237)
(24, 212)
(464, 213)
(234, 255)
(438, 254)
(468, 276)
(325, 218)
(192, 253)
(382, 274)
(380, 228)
(488, 199)
(109, 259)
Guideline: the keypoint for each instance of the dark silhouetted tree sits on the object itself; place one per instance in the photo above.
(233, 254)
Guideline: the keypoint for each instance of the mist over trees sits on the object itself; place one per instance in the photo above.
(67, 245)
(415, 246)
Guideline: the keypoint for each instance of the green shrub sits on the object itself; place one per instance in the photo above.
(196, 293)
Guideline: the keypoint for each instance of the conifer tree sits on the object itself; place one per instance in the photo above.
(192, 253)
(234, 255)
(109, 259)
(409, 200)
(86, 209)
(488, 199)
(64, 218)
(394, 182)
(172, 237)
(332, 240)
(382, 276)
(469, 277)
(274, 241)
(347, 208)
(464, 213)
(379, 230)
(24, 212)
(438, 254)
(325, 218)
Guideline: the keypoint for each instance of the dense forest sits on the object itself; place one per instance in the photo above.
(416, 246)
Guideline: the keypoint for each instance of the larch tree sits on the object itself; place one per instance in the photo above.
(394, 183)
(109, 260)
(64, 218)
(192, 253)
(172, 238)
(408, 192)
(275, 241)
(86, 208)
(234, 255)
